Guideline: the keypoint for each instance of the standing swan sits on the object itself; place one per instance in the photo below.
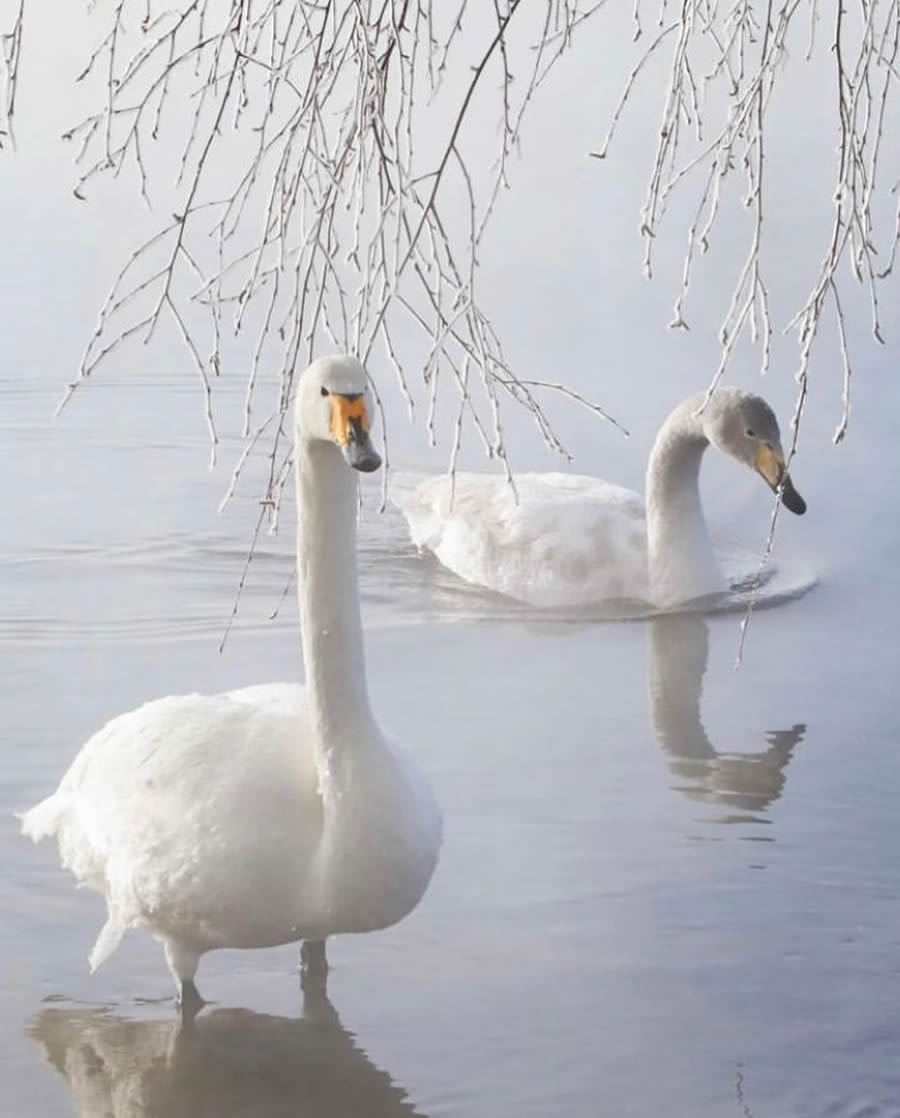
(567, 540)
(261, 816)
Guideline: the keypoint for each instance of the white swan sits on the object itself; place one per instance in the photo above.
(565, 540)
(265, 815)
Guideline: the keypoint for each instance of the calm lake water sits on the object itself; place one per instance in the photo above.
(662, 892)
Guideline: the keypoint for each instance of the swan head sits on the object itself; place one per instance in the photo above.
(745, 427)
(334, 405)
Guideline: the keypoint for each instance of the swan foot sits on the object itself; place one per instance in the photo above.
(188, 999)
(182, 961)
(313, 966)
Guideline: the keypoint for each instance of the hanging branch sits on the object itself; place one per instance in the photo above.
(314, 162)
(723, 66)
(10, 50)
(338, 230)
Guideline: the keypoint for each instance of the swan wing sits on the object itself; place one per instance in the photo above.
(558, 540)
(184, 811)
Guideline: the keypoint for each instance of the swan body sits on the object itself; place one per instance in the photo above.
(274, 813)
(562, 540)
(539, 543)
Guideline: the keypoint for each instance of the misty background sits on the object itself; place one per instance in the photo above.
(612, 924)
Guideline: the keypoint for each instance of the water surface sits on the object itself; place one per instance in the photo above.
(666, 888)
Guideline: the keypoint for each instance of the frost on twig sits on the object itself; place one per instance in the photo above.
(326, 192)
(723, 63)
(10, 49)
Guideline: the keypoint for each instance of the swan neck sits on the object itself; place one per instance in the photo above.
(328, 592)
(673, 469)
(680, 559)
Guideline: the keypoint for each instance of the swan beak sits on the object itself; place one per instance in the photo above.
(770, 466)
(350, 430)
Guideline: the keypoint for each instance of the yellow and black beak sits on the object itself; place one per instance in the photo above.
(770, 466)
(350, 430)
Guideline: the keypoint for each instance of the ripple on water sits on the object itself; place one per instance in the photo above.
(189, 582)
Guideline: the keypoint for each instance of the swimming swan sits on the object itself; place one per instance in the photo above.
(564, 540)
(265, 815)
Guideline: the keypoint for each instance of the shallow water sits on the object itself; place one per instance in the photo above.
(666, 888)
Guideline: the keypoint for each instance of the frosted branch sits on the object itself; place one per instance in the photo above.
(724, 63)
(338, 229)
(10, 50)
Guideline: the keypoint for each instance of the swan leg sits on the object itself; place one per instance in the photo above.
(188, 1000)
(313, 965)
(183, 963)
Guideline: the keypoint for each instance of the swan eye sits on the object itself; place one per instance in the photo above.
(324, 391)
(750, 433)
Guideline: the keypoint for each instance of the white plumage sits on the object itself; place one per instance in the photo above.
(273, 813)
(565, 540)
(541, 543)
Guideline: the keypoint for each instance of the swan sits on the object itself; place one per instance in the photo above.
(266, 815)
(561, 540)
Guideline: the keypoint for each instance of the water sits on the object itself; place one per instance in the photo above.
(666, 888)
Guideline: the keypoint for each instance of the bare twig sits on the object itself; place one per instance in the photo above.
(741, 50)
(10, 51)
(335, 231)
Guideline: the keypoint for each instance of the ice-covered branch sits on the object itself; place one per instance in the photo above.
(725, 62)
(326, 191)
(10, 50)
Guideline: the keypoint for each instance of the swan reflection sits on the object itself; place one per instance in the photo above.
(746, 783)
(228, 1063)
